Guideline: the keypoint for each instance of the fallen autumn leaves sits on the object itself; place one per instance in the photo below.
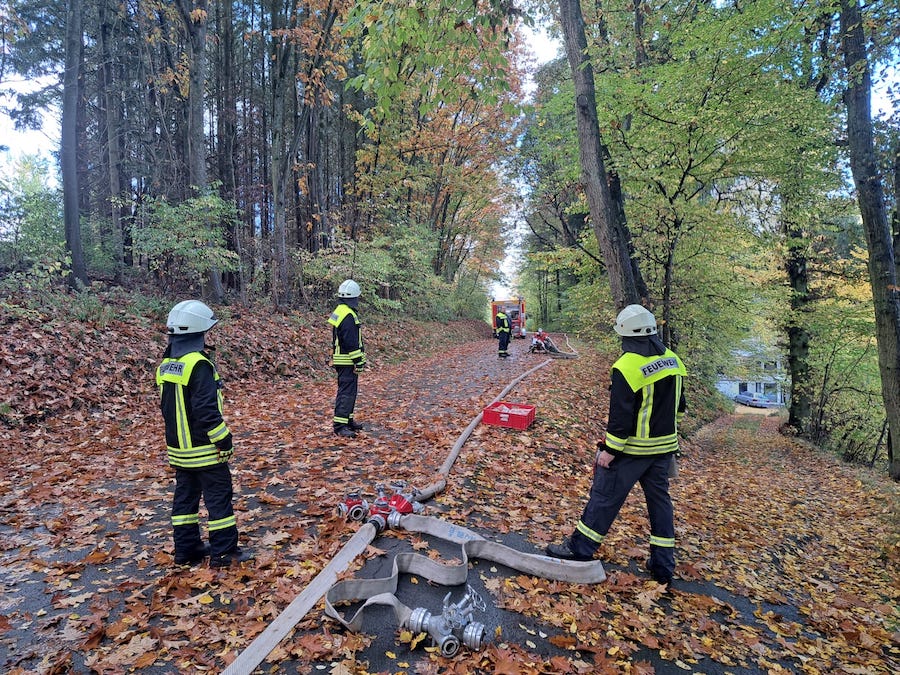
(786, 558)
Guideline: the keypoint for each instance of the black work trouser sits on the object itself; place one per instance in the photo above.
(504, 342)
(609, 491)
(213, 484)
(345, 401)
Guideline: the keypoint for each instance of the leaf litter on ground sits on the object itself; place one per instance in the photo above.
(787, 558)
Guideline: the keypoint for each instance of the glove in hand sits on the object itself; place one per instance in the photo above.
(225, 447)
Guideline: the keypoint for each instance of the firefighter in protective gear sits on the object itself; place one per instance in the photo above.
(646, 404)
(198, 439)
(502, 327)
(348, 357)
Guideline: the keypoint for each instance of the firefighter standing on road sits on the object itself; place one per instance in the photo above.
(502, 326)
(646, 403)
(199, 442)
(348, 357)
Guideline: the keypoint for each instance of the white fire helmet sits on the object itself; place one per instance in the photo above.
(635, 321)
(190, 316)
(348, 289)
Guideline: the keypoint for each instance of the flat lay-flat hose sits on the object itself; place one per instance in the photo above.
(381, 591)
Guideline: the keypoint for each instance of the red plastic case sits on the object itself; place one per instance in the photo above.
(511, 415)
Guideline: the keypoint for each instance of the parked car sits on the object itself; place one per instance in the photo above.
(754, 400)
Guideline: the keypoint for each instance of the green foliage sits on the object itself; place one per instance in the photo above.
(102, 246)
(36, 290)
(183, 242)
(31, 223)
(710, 129)
(845, 382)
(395, 275)
(431, 47)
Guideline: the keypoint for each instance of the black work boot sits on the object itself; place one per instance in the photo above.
(355, 426)
(564, 551)
(344, 431)
(193, 557)
(660, 577)
(238, 555)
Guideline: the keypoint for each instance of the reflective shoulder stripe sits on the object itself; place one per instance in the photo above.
(178, 371)
(640, 371)
(340, 313)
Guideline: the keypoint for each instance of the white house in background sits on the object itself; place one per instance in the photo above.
(756, 368)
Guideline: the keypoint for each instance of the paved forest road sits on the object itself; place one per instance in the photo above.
(787, 559)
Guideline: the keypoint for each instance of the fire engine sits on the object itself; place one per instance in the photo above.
(515, 310)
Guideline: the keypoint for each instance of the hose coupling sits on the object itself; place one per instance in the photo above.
(455, 624)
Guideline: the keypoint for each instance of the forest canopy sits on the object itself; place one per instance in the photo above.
(263, 153)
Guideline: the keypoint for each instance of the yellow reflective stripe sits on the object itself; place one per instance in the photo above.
(644, 413)
(181, 420)
(218, 433)
(186, 519)
(678, 414)
(640, 371)
(653, 442)
(222, 523)
(650, 450)
(340, 313)
(614, 442)
(193, 458)
(588, 532)
(662, 541)
(341, 420)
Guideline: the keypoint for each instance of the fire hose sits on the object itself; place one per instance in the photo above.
(324, 583)
(455, 625)
(555, 353)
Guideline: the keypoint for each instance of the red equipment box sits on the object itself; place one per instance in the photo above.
(512, 415)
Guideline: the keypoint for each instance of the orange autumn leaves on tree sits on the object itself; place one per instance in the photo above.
(434, 162)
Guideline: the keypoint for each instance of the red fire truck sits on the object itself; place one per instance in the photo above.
(515, 310)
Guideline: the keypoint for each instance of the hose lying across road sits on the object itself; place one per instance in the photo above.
(381, 591)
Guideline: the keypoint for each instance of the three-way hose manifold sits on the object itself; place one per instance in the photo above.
(454, 626)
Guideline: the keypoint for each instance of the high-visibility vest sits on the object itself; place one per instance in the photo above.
(502, 323)
(339, 357)
(656, 429)
(196, 448)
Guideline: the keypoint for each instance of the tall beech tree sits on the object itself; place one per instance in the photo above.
(606, 206)
(870, 196)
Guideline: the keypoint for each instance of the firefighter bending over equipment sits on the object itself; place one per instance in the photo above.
(541, 342)
(199, 442)
(348, 357)
(502, 326)
(646, 403)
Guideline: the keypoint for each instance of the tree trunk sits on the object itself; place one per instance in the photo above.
(798, 335)
(69, 144)
(895, 215)
(282, 84)
(196, 20)
(870, 196)
(609, 224)
(226, 133)
(110, 100)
